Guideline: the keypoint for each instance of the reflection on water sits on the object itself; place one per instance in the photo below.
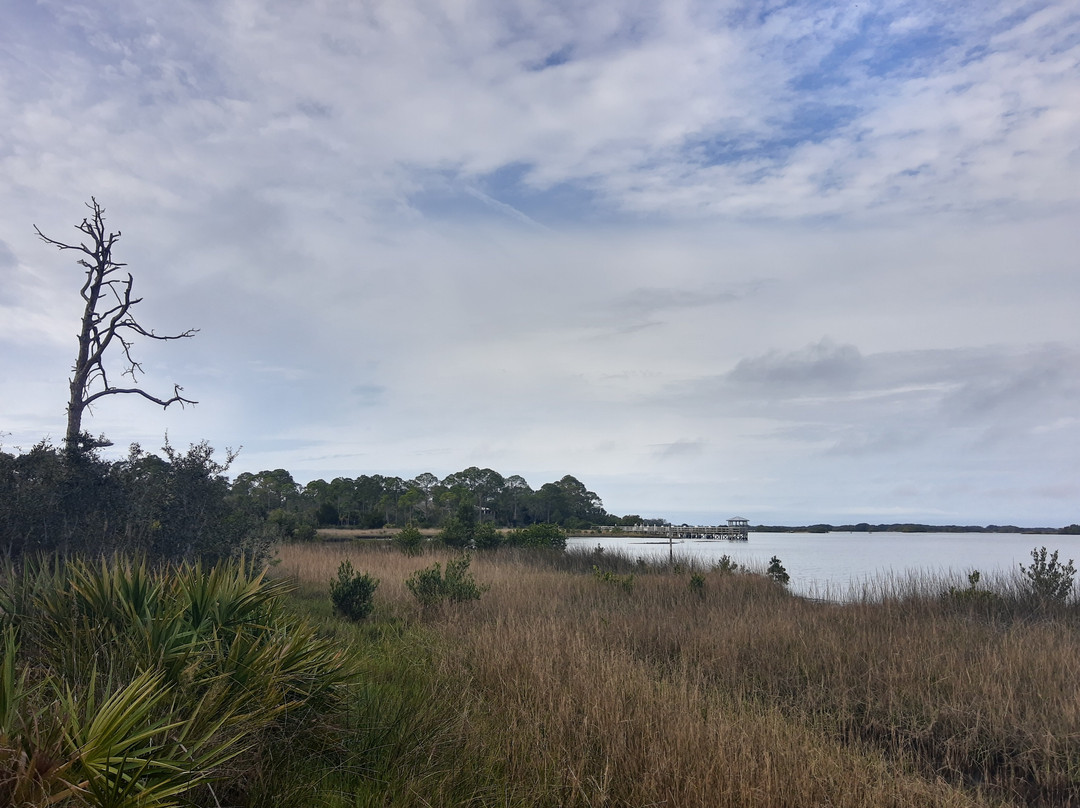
(837, 565)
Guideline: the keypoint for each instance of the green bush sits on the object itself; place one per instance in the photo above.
(972, 594)
(431, 587)
(540, 535)
(777, 572)
(459, 583)
(487, 537)
(353, 592)
(624, 582)
(725, 564)
(409, 540)
(697, 584)
(1047, 578)
(457, 533)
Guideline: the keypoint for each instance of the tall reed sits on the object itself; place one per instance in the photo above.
(734, 692)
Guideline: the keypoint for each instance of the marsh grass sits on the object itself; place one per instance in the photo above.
(557, 689)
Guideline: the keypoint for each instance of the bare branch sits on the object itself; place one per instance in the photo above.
(176, 399)
(142, 332)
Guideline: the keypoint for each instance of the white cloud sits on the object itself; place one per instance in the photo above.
(504, 233)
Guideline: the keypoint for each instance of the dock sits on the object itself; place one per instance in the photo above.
(736, 529)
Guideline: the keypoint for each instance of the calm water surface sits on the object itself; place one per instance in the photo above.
(839, 565)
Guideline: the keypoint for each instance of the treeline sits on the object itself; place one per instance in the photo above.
(182, 506)
(376, 501)
(907, 527)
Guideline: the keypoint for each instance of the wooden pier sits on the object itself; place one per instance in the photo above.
(736, 529)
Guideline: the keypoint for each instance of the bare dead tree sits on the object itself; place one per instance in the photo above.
(106, 319)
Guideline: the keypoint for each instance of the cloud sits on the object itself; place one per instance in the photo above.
(369, 395)
(833, 400)
(649, 300)
(813, 110)
(564, 237)
(679, 449)
(7, 257)
(1037, 385)
(822, 364)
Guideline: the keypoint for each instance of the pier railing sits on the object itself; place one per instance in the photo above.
(729, 532)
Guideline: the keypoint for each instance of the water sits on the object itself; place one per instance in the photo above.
(838, 565)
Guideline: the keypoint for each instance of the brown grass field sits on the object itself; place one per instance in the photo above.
(559, 688)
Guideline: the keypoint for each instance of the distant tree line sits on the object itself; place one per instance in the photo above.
(473, 495)
(908, 527)
(181, 505)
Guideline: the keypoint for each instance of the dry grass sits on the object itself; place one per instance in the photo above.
(580, 693)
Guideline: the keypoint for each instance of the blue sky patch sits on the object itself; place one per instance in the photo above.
(807, 123)
(506, 193)
(908, 53)
(554, 59)
(875, 51)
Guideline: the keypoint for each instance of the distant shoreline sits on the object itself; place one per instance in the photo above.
(863, 527)
(354, 533)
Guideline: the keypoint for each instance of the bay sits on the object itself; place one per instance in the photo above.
(842, 566)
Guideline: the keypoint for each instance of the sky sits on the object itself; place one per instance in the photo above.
(796, 262)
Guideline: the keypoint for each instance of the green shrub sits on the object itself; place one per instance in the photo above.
(972, 594)
(725, 564)
(540, 536)
(777, 572)
(487, 537)
(624, 582)
(1047, 578)
(697, 584)
(431, 587)
(353, 592)
(409, 540)
(457, 533)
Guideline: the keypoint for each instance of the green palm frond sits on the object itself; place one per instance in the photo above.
(140, 747)
(12, 683)
(225, 595)
(138, 684)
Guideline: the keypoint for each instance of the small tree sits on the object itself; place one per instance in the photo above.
(431, 587)
(1047, 578)
(487, 537)
(409, 540)
(458, 531)
(697, 584)
(725, 565)
(353, 592)
(107, 319)
(777, 572)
